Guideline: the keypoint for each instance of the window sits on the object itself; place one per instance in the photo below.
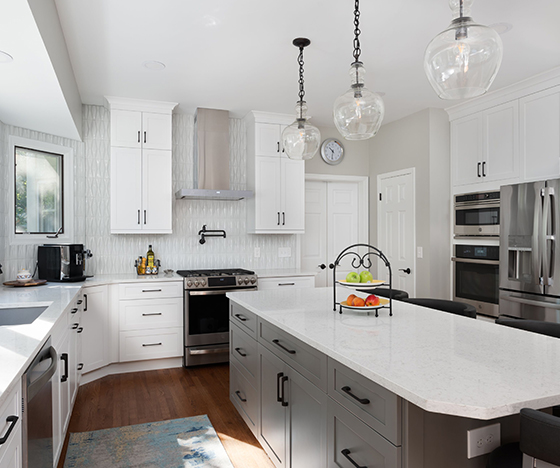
(42, 208)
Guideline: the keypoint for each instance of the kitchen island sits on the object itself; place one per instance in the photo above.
(450, 373)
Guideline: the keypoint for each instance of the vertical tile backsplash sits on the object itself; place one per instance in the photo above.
(114, 254)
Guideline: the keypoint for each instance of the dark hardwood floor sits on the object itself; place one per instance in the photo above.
(141, 397)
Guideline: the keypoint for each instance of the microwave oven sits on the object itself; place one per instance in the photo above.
(477, 215)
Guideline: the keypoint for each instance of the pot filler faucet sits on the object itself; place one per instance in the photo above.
(203, 233)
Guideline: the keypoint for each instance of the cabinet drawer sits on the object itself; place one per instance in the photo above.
(10, 408)
(349, 438)
(150, 290)
(243, 349)
(244, 397)
(373, 404)
(246, 319)
(285, 283)
(309, 362)
(150, 344)
(144, 314)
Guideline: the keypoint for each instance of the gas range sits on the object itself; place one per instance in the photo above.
(233, 278)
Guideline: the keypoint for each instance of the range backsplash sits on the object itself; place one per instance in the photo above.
(115, 254)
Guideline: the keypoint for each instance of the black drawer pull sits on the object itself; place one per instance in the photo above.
(286, 284)
(284, 380)
(13, 421)
(278, 397)
(346, 454)
(241, 317)
(80, 366)
(240, 352)
(73, 311)
(240, 397)
(79, 302)
(151, 290)
(152, 344)
(75, 326)
(347, 390)
(80, 330)
(150, 314)
(64, 357)
(277, 343)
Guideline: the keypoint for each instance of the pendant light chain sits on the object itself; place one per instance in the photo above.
(301, 93)
(357, 50)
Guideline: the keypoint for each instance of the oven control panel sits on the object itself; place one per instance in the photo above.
(220, 282)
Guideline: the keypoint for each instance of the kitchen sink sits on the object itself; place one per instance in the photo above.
(20, 315)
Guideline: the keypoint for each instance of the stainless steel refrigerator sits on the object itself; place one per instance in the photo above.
(529, 257)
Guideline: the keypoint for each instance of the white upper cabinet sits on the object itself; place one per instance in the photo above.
(156, 131)
(156, 191)
(466, 149)
(540, 134)
(268, 138)
(126, 128)
(126, 189)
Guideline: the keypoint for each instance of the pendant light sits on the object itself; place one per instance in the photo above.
(301, 140)
(462, 61)
(358, 113)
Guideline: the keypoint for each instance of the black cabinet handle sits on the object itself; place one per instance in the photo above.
(80, 330)
(278, 218)
(238, 393)
(241, 317)
(483, 168)
(283, 218)
(277, 343)
(64, 357)
(478, 169)
(73, 311)
(277, 146)
(138, 136)
(347, 390)
(152, 344)
(144, 137)
(75, 326)
(138, 216)
(346, 454)
(85, 300)
(150, 314)
(79, 302)
(80, 366)
(241, 353)
(13, 421)
(144, 216)
(283, 381)
(278, 377)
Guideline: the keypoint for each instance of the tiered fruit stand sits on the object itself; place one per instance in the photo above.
(362, 260)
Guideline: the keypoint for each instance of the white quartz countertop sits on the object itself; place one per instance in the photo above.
(129, 278)
(441, 362)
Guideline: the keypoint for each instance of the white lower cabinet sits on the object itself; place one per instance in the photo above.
(150, 344)
(96, 328)
(10, 430)
(287, 282)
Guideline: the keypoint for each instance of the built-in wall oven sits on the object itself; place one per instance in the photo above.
(206, 312)
(476, 277)
(477, 214)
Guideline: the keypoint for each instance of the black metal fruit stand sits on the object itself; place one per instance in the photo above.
(362, 260)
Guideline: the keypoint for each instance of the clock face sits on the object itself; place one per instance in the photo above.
(332, 151)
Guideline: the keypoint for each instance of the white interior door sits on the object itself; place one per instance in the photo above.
(396, 231)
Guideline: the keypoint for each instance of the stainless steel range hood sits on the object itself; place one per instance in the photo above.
(211, 159)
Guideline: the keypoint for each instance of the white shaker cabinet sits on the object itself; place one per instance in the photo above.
(11, 430)
(137, 129)
(95, 323)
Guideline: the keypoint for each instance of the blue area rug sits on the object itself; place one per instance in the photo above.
(186, 443)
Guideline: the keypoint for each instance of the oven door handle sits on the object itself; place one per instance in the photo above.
(478, 205)
(474, 260)
(521, 300)
(216, 293)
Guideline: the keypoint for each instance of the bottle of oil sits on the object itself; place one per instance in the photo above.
(150, 257)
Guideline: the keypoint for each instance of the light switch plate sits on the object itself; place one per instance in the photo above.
(284, 252)
(483, 440)
(419, 252)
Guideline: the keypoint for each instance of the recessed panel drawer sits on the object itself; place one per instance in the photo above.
(286, 283)
(243, 349)
(150, 313)
(246, 319)
(244, 397)
(150, 344)
(309, 362)
(373, 404)
(151, 290)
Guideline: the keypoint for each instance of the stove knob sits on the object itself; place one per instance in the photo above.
(203, 282)
(196, 283)
(246, 280)
(253, 280)
(189, 283)
(240, 281)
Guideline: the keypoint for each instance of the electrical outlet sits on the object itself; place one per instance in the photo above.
(257, 252)
(284, 252)
(483, 440)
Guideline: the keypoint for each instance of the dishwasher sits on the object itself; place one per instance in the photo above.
(37, 414)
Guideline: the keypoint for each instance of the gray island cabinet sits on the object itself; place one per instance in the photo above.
(322, 389)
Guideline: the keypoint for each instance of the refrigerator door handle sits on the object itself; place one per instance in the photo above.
(531, 302)
(545, 237)
(536, 253)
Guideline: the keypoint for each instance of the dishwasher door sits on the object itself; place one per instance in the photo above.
(37, 409)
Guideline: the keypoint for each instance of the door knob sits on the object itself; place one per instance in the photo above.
(322, 266)
(407, 270)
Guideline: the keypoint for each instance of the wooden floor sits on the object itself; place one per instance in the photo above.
(141, 397)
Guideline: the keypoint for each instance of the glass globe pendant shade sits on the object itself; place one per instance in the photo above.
(301, 140)
(463, 61)
(359, 112)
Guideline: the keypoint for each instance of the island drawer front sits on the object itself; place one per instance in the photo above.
(379, 408)
(142, 314)
(150, 344)
(244, 397)
(243, 349)
(246, 319)
(308, 361)
(150, 290)
(286, 283)
(346, 433)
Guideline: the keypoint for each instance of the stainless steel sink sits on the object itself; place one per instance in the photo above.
(20, 315)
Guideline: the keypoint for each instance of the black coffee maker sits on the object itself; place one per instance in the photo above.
(61, 262)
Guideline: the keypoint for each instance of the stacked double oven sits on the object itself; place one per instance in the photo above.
(476, 260)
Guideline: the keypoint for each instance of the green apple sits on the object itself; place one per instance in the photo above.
(353, 277)
(366, 277)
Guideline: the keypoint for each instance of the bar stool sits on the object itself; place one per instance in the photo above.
(397, 294)
(453, 307)
(535, 326)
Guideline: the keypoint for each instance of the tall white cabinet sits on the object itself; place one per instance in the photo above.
(278, 206)
(141, 166)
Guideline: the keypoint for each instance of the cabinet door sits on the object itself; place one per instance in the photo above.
(540, 134)
(501, 142)
(126, 128)
(267, 139)
(126, 190)
(156, 131)
(95, 336)
(293, 195)
(267, 194)
(10, 455)
(75, 362)
(273, 418)
(466, 150)
(157, 193)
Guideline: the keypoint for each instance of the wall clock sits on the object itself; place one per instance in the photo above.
(332, 151)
